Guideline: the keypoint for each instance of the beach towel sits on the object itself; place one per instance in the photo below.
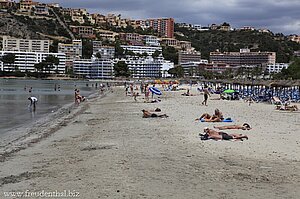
(225, 120)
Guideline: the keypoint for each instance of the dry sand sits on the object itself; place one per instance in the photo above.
(110, 151)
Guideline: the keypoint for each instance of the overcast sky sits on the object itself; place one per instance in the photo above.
(279, 16)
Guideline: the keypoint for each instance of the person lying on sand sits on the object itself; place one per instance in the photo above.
(219, 135)
(187, 93)
(155, 110)
(245, 126)
(153, 101)
(287, 108)
(147, 114)
(217, 117)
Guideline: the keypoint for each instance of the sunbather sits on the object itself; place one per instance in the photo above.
(217, 117)
(187, 93)
(219, 135)
(287, 108)
(147, 114)
(245, 126)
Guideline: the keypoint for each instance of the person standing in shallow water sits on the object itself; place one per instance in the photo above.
(206, 94)
(33, 101)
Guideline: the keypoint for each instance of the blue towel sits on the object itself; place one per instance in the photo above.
(225, 120)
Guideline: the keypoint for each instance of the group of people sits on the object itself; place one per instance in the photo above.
(78, 98)
(216, 117)
(220, 135)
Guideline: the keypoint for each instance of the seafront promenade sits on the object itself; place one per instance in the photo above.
(110, 151)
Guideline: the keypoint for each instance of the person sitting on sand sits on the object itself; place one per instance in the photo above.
(219, 135)
(147, 114)
(217, 117)
(245, 126)
(78, 97)
(187, 93)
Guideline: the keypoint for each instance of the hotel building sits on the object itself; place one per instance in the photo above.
(164, 26)
(142, 49)
(94, 68)
(72, 51)
(277, 67)
(244, 57)
(25, 45)
(25, 61)
(188, 56)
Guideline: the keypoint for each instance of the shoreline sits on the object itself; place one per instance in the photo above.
(22, 137)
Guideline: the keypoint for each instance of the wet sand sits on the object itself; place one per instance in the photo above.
(109, 151)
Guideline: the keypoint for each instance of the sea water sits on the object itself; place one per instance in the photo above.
(15, 109)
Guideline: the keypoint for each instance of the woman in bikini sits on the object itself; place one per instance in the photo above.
(245, 126)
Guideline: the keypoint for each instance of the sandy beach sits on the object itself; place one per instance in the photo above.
(107, 150)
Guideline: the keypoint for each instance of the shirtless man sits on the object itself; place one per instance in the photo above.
(218, 135)
(147, 114)
(245, 126)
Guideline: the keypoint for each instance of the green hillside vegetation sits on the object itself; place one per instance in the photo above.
(292, 72)
(233, 41)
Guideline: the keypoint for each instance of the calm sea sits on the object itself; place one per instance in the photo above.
(51, 94)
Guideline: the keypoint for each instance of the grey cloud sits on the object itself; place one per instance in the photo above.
(276, 15)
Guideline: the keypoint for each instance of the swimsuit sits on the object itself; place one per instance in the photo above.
(225, 136)
(205, 96)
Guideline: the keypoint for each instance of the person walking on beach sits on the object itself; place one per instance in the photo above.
(206, 94)
(33, 101)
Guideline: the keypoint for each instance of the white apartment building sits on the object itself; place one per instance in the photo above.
(107, 35)
(151, 40)
(142, 49)
(96, 46)
(25, 61)
(191, 67)
(106, 52)
(94, 68)
(166, 66)
(277, 67)
(25, 45)
(73, 51)
(144, 67)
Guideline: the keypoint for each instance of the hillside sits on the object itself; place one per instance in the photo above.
(31, 27)
(208, 41)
